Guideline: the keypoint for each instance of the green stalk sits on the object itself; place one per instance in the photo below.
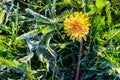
(79, 61)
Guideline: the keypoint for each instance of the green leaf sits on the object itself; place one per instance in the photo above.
(27, 35)
(108, 12)
(92, 68)
(111, 34)
(63, 45)
(99, 23)
(2, 15)
(104, 65)
(47, 30)
(52, 52)
(26, 58)
(100, 4)
(67, 1)
(9, 63)
(37, 15)
(90, 74)
(116, 25)
(25, 19)
(99, 40)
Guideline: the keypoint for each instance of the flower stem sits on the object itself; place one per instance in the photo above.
(79, 58)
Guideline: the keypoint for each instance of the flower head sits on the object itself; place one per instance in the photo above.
(77, 26)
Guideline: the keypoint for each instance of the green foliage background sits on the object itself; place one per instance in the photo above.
(34, 46)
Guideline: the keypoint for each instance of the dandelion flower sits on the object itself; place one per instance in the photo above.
(77, 26)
